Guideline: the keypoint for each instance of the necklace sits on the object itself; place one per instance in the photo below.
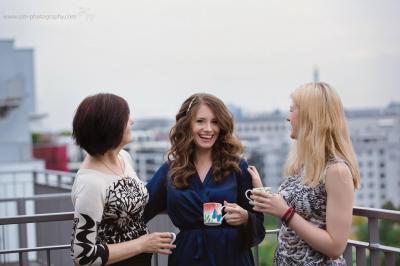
(120, 164)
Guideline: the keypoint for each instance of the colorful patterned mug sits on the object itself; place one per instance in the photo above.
(262, 189)
(212, 213)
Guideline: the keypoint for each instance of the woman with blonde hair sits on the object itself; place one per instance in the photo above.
(315, 201)
(205, 166)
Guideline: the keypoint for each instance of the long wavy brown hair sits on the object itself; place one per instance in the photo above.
(226, 151)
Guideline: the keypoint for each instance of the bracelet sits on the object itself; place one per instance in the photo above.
(288, 216)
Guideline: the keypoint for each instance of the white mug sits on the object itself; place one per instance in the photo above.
(262, 189)
(173, 235)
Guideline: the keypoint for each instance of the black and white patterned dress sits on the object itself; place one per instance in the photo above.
(108, 210)
(310, 203)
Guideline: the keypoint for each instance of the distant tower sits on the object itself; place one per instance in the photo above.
(316, 74)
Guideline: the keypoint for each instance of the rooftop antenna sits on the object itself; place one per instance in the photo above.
(316, 74)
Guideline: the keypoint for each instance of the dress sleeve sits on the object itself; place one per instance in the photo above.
(254, 230)
(88, 202)
(157, 188)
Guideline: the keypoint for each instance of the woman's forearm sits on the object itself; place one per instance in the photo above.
(318, 239)
(124, 250)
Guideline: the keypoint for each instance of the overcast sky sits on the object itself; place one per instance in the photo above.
(249, 53)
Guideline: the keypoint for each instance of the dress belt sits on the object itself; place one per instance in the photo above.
(203, 226)
(201, 237)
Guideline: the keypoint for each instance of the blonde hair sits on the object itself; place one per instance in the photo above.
(322, 132)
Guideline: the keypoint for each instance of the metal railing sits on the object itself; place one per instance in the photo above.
(24, 219)
(373, 245)
(20, 184)
(360, 249)
(53, 178)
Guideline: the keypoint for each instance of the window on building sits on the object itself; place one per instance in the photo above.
(381, 151)
(371, 195)
(150, 161)
(383, 186)
(382, 175)
(370, 163)
(370, 185)
(382, 165)
(370, 174)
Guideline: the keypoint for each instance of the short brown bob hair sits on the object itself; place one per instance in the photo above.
(99, 123)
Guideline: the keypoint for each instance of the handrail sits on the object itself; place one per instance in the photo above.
(380, 247)
(372, 214)
(37, 218)
(377, 213)
(51, 217)
(38, 197)
(45, 171)
(23, 250)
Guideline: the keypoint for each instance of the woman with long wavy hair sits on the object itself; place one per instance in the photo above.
(205, 165)
(315, 202)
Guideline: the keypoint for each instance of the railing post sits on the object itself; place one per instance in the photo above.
(59, 181)
(22, 232)
(155, 259)
(21, 259)
(48, 257)
(373, 237)
(360, 257)
(34, 174)
(256, 258)
(348, 254)
(390, 259)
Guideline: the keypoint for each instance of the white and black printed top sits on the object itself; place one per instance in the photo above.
(310, 203)
(108, 209)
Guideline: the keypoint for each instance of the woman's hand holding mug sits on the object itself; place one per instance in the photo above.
(235, 215)
(158, 242)
(271, 203)
(263, 199)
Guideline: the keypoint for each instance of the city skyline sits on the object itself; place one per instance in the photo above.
(156, 54)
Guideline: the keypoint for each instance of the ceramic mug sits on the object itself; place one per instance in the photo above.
(173, 235)
(262, 189)
(212, 213)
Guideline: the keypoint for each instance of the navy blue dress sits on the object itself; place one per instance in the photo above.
(196, 243)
